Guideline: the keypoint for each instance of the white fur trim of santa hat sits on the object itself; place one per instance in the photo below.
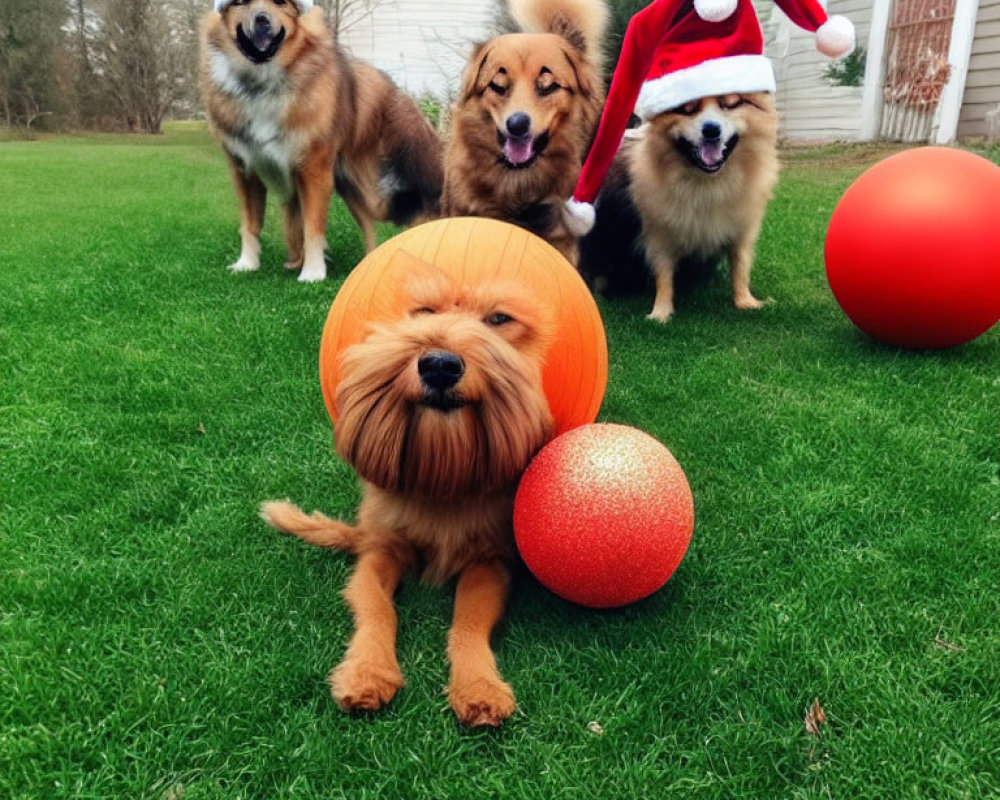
(717, 76)
(578, 216)
(302, 5)
(714, 10)
(835, 37)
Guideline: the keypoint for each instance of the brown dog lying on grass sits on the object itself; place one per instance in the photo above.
(440, 414)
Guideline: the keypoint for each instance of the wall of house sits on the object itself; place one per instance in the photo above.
(810, 107)
(422, 44)
(982, 86)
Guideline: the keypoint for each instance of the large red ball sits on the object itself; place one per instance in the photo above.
(913, 248)
(603, 515)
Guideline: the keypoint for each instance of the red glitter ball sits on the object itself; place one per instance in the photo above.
(603, 515)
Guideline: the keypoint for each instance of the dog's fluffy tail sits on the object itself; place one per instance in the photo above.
(314, 528)
(414, 174)
(581, 22)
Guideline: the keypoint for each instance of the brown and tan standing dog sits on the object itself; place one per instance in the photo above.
(698, 179)
(298, 117)
(439, 414)
(525, 114)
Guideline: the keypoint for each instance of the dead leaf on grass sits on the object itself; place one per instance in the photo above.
(815, 718)
(946, 645)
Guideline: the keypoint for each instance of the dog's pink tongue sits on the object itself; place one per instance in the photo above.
(710, 153)
(518, 151)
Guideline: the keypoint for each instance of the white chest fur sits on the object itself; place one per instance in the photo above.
(260, 140)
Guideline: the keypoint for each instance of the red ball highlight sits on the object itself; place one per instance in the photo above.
(603, 515)
(913, 248)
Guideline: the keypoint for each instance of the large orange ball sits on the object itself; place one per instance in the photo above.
(913, 248)
(474, 250)
(603, 515)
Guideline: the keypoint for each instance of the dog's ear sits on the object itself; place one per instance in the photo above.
(586, 76)
(472, 79)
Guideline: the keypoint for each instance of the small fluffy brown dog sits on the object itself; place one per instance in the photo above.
(439, 414)
(296, 116)
(524, 118)
(699, 177)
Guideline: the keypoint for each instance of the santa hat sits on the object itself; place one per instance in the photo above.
(302, 5)
(676, 51)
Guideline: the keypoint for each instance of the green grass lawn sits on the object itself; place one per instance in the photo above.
(157, 640)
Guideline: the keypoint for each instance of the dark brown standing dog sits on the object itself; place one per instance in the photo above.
(525, 115)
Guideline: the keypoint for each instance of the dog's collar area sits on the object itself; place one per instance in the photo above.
(247, 47)
(690, 151)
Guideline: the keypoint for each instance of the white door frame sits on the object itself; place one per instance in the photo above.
(949, 109)
(963, 31)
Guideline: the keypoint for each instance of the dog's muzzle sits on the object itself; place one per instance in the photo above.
(519, 147)
(261, 42)
(710, 153)
(440, 371)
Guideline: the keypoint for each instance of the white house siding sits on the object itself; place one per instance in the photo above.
(421, 44)
(982, 86)
(808, 105)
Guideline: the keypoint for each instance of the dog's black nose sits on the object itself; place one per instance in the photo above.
(518, 124)
(262, 23)
(711, 130)
(440, 370)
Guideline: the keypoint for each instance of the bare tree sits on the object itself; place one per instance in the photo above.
(345, 14)
(30, 32)
(140, 62)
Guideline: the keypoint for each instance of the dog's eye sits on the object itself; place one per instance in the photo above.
(731, 101)
(548, 89)
(422, 310)
(496, 87)
(498, 319)
(279, 2)
(689, 109)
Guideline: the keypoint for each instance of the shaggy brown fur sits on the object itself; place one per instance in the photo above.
(525, 115)
(699, 197)
(295, 115)
(439, 414)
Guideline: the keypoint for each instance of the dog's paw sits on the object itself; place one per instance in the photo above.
(364, 686)
(481, 702)
(660, 315)
(750, 303)
(244, 265)
(312, 274)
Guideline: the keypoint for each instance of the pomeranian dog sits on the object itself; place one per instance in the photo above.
(687, 189)
(439, 414)
(525, 114)
(298, 117)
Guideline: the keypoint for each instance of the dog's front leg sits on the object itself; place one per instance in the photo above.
(314, 184)
(252, 195)
(369, 675)
(477, 693)
(662, 264)
(740, 263)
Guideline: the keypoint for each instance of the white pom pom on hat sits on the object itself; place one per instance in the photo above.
(302, 5)
(578, 217)
(835, 37)
(714, 10)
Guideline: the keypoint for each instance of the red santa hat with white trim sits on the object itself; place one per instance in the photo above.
(676, 51)
(302, 5)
